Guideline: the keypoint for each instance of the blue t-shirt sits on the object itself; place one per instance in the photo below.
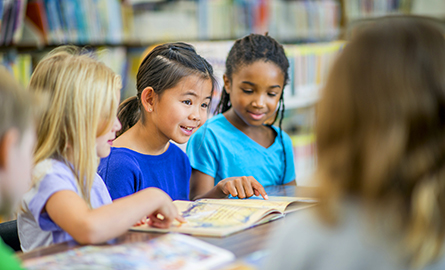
(126, 171)
(220, 150)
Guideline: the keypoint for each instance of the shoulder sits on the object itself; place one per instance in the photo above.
(215, 125)
(215, 130)
(174, 150)
(120, 160)
(51, 172)
(122, 157)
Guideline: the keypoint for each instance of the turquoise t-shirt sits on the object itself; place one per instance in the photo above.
(220, 150)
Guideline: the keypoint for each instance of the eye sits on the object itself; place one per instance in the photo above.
(272, 94)
(187, 102)
(247, 91)
(205, 105)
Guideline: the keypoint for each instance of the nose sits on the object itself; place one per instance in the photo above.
(258, 102)
(117, 124)
(195, 115)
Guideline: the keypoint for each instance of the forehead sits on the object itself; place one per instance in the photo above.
(260, 72)
(199, 86)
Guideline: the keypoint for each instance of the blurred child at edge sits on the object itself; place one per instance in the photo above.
(380, 133)
(17, 139)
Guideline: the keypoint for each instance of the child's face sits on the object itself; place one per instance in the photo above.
(104, 142)
(179, 111)
(16, 165)
(255, 91)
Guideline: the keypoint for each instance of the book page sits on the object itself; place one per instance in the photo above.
(266, 204)
(282, 204)
(209, 219)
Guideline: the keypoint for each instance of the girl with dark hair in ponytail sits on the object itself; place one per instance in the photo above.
(174, 89)
(239, 151)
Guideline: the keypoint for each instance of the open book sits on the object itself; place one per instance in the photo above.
(168, 252)
(222, 217)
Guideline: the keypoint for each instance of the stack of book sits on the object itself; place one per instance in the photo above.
(77, 21)
(360, 9)
(11, 21)
(20, 65)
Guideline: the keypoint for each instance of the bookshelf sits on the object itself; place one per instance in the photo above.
(119, 31)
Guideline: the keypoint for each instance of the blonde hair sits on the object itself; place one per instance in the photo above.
(381, 132)
(16, 106)
(83, 105)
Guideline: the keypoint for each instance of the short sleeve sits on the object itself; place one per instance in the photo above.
(202, 151)
(49, 185)
(121, 175)
(290, 162)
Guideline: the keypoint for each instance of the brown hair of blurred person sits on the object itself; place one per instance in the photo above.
(381, 132)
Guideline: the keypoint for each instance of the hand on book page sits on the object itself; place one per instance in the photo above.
(168, 252)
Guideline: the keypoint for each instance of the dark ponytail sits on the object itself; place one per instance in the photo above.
(246, 51)
(129, 114)
(162, 69)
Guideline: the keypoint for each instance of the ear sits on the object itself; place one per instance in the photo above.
(7, 143)
(148, 99)
(227, 84)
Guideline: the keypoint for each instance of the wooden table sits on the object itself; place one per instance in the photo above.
(241, 244)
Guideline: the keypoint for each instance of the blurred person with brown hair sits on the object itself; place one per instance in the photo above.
(381, 157)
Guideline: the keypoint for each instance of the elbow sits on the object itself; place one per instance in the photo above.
(89, 234)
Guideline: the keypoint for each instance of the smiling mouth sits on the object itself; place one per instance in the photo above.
(256, 116)
(187, 130)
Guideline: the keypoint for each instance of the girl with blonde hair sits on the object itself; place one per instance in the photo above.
(68, 200)
(381, 147)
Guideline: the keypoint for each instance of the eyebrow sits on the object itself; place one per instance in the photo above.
(192, 93)
(252, 84)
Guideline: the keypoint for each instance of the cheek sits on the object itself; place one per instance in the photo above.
(272, 104)
(170, 115)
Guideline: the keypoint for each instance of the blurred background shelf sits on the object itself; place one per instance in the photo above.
(120, 32)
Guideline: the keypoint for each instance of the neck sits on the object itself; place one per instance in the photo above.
(239, 123)
(144, 138)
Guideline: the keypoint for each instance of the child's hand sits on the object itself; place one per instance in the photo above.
(243, 187)
(141, 222)
(166, 213)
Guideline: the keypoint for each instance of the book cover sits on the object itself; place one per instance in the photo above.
(168, 252)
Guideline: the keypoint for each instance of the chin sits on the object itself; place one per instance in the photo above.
(181, 141)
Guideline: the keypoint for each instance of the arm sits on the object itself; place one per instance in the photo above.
(201, 186)
(91, 226)
(291, 183)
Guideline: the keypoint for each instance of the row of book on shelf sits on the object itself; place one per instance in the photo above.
(360, 9)
(116, 22)
(309, 65)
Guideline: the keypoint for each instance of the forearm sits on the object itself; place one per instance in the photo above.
(114, 219)
(91, 226)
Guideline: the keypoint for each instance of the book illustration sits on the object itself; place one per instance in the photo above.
(169, 252)
(222, 217)
(204, 215)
